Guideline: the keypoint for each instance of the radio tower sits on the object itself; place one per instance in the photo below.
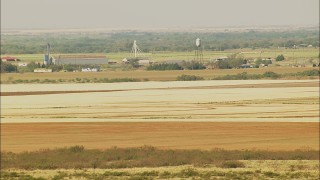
(136, 52)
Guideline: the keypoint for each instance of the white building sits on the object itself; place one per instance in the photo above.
(222, 58)
(89, 70)
(22, 64)
(143, 62)
(42, 70)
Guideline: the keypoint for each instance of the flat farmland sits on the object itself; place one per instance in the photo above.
(173, 135)
(243, 114)
(157, 56)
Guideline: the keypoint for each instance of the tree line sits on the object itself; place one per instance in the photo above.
(154, 41)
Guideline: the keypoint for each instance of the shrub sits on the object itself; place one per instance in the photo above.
(271, 174)
(232, 164)
(189, 172)
(280, 58)
(239, 76)
(60, 176)
(232, 62)
(116, 173)
(8, 67)
(189, 78)
(163, 67)
(313, 72)
(193, 65)
(76, 149)
(270, 74)
(149, 173)
(165, 174)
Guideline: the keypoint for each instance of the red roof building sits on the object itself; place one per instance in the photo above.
(9, 58)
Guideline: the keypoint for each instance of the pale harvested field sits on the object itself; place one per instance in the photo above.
(183, 115)
(264, 100)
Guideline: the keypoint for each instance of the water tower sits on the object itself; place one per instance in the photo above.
(198, 56)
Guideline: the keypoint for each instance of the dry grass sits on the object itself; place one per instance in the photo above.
(77, 157)
(254, 169)
(142, 74)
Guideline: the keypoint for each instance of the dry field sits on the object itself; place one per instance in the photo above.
(150, 75)
(245, 114)
(175, 135)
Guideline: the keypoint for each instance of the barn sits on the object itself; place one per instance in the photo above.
(79, 60)
(9, 58)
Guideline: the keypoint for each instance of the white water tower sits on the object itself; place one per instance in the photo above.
(198, 56)
(198, 42)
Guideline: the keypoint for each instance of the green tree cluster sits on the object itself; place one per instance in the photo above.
(259, 61)
(163, 67)
(234, 61)
(193, 65)
(280, 57)
(8, 67)
(189, 78)
(154, 41)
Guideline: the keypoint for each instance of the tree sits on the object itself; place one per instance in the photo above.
(7, 67)
(280, 58)
(163, 67)
(69, 68)
(191, 65)
(31, 66)
(223, 64)
(266, 62)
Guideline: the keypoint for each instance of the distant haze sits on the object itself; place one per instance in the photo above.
(46, 14)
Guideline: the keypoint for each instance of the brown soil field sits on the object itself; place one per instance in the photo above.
(150, 75)
(174, 135)
(174, 115)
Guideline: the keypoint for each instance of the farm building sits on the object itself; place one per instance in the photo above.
(79, 60)
(8, 58)
(42, 70)
(89, 70)
(222, 58)
(22, 64)
(243, 66)
(141, 62)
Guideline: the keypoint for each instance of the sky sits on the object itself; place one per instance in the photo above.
(64, 14)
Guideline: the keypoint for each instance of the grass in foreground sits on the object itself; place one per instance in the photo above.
(261, 170)
(77, 157)
(147, 162)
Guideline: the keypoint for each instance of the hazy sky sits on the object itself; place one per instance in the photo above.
(156, 13)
